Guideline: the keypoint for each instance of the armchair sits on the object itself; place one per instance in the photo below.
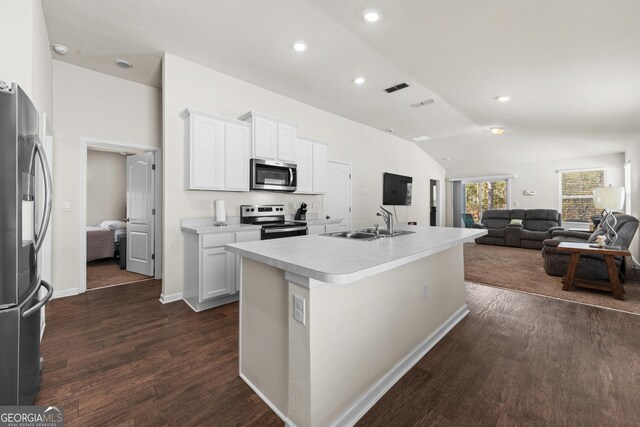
(590, 266)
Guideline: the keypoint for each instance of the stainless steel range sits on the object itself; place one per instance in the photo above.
(272, 219)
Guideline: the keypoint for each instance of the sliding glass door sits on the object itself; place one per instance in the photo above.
(482, 195)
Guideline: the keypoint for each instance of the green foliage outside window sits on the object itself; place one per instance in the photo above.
(480, 196)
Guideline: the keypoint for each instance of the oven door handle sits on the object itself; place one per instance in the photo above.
(283, 230)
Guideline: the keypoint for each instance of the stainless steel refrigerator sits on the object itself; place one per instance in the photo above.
(25, 210)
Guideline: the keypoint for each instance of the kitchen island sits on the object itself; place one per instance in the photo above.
(329, 324)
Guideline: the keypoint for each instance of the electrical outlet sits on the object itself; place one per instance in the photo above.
(66, 206)
(315, 206)
(365, 191)
(196, 206)
(425, 292)
(298, 309)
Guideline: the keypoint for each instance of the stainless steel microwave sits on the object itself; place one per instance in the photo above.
(273, 176)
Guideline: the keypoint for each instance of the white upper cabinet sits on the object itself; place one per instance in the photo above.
(311, 158)
(319, 168)
(272, 139)
(265, 138)
(286, 143)
(206, 154)
(218, 153)
(303, 160)
(238, 153)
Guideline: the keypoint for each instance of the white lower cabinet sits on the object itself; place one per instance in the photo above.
(328, 228)
(211, 274)
(316, 229)
(218, 273)
(332, 228)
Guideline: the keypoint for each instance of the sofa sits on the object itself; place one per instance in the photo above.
(520, 228)
(590, 266)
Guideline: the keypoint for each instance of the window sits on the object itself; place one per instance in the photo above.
(576, 191)
(482, 195)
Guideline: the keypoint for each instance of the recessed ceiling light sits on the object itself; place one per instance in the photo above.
(60, 49)
(497, 130)
(122, 63)
(390, 130)
(446, 159)
(503, 98)
(300, 46)
(359, 80)
(371, 15)
(420, 138)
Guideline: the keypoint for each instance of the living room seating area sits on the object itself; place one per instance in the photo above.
(521, 228)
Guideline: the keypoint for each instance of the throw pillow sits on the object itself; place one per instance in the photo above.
(516, 222)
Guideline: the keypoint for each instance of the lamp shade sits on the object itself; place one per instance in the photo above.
(611, 198)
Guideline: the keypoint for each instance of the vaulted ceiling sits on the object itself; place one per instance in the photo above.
(572, 67)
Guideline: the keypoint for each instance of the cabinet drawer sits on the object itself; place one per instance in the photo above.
(211, 240)
(247, 236)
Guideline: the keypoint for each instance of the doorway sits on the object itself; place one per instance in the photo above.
(120, 225)
(337, 201)
(434, 202)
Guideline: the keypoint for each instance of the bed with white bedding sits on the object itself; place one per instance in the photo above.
(101, 239)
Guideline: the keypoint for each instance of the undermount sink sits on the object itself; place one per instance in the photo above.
(367, 234)
(353, 234)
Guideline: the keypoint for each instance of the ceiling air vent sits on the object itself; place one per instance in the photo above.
(423, 103)
(396, 87)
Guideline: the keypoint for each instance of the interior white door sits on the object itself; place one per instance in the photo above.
(140, 213)
(338, 199)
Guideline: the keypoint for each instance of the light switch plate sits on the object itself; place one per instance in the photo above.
(66, 206)
(298, 309)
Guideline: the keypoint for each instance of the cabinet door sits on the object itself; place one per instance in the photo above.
(238, 147)
(286, 143)
(303, 160)
(319, 168)
(218, 273)
(265, 138)
(206, 158)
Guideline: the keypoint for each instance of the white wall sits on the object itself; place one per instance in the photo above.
(106, 186)
(542, 177)
(633, 155)
(94, 105)
(26, 55)
(371, 151)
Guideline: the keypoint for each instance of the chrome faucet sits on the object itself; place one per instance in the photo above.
(388, 219)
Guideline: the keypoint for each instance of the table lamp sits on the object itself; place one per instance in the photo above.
(609, 198)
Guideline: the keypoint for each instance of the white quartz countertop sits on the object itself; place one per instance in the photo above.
(209, 228)
(340, 260)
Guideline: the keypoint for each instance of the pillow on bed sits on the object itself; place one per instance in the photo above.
(113, 224)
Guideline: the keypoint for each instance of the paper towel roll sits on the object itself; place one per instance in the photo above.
(221, 212)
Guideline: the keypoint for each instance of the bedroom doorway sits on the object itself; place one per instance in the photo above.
(120, 202)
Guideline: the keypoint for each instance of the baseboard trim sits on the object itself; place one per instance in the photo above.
(166, 299)
(64, 293)
(274, 408)
(362, 404)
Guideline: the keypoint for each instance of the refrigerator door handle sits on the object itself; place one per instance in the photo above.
(48, 200)
(40, 303)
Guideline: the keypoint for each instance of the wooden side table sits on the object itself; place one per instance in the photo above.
(577, 249)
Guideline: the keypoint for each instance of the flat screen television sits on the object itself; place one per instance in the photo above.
(396, 190)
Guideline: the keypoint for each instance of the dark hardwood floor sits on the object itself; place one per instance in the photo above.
(117, 356)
